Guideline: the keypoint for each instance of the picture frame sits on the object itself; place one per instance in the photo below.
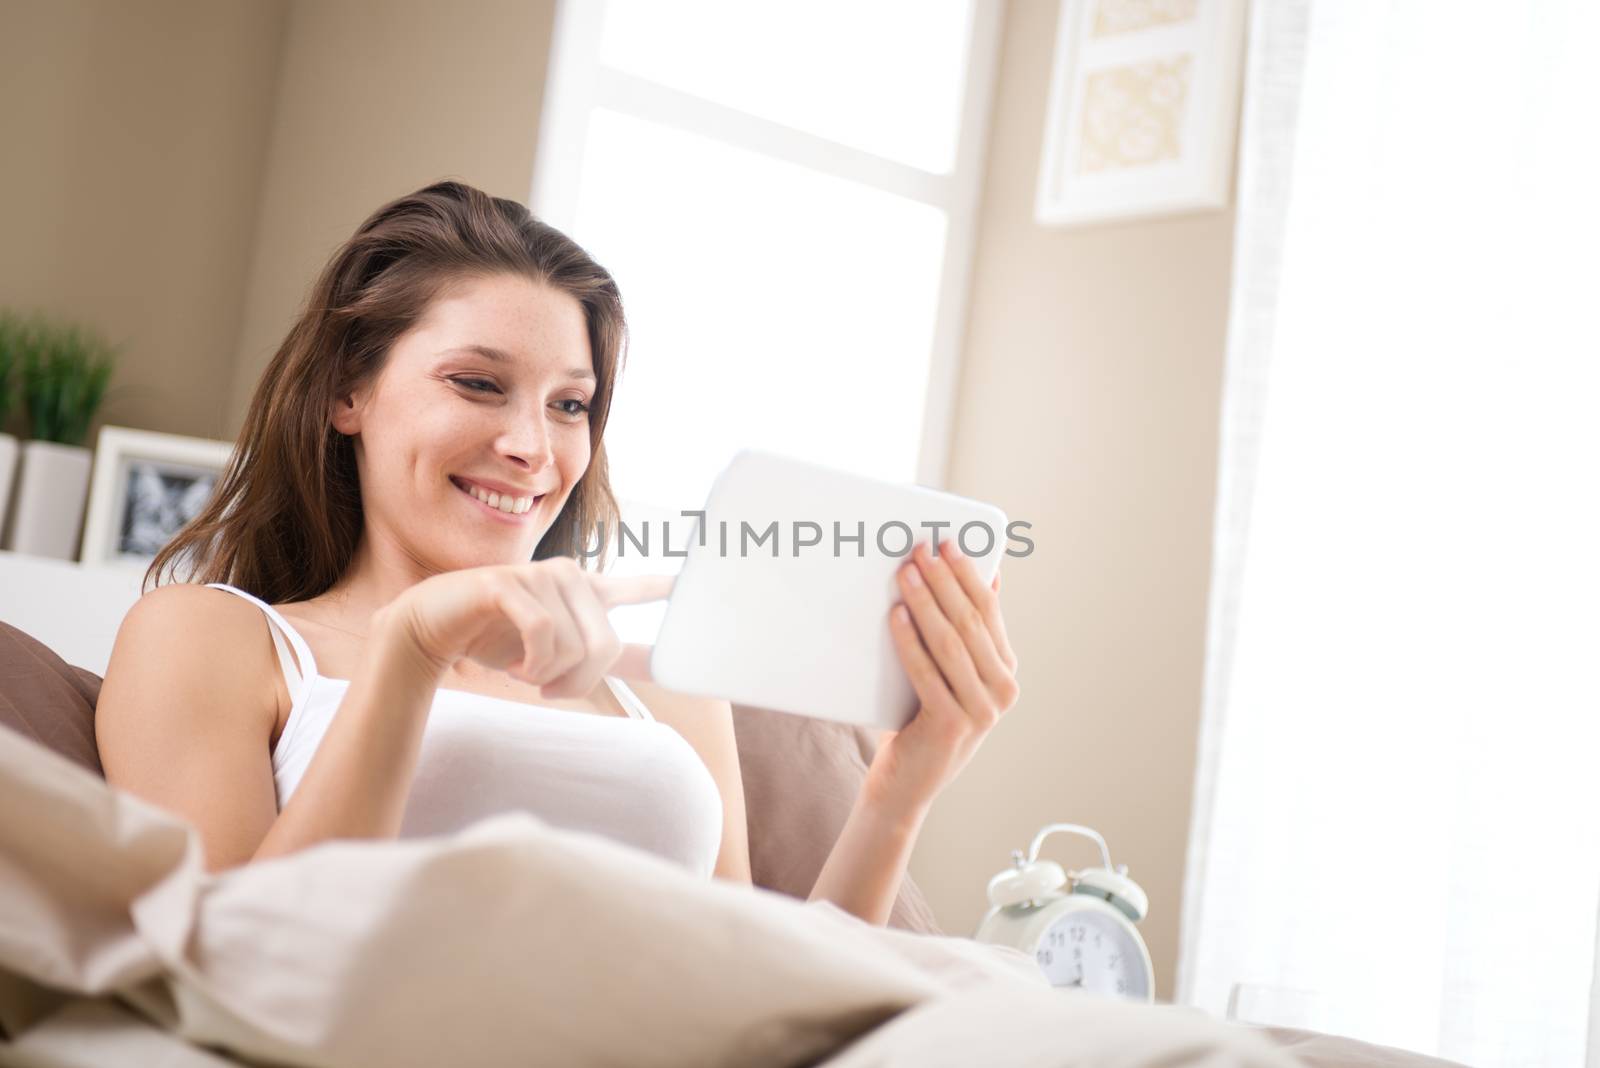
(1143, 109)
(146, 486)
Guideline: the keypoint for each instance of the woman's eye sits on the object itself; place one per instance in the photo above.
(579, 408)
(478, 385)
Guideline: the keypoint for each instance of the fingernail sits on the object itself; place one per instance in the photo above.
(913, 575)
(901, 614)
(949, 548)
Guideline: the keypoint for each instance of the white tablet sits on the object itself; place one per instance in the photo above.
(784, 597)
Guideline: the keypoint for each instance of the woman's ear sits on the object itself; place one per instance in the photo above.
(346, 414)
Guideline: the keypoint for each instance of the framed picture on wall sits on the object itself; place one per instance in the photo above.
(146, 486)
(1143, 109)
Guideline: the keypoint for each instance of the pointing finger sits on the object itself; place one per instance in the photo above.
(614, 590)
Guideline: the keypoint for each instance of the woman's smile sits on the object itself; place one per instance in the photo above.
(506, 507)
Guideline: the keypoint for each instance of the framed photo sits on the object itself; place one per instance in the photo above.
(146, 486)
(1144, 101)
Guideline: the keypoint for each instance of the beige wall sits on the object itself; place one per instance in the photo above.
(1088, 405)
(181, 169)
(218, 152)
(378, 99)
(134, 138)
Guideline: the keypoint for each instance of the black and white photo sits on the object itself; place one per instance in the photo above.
(146, 486)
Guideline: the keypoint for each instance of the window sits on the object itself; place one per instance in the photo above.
(1397, 822)
(785, 195)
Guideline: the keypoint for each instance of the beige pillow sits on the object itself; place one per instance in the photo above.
(801, 777)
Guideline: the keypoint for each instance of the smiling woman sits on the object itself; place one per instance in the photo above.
(448, 287)
(386, 629)
(391, 628)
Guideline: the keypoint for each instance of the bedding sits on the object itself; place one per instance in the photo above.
(509, 942)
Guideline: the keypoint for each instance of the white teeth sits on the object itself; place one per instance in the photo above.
(502, 502)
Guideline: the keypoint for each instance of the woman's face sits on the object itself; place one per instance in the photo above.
(482, 406)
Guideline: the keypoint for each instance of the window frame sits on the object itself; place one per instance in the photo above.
(577, 83)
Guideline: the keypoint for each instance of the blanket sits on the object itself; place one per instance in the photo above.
(509, 942)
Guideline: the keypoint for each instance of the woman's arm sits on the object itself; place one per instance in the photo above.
(185, 720)
(863, 872)
(185, 715)
(951, 638)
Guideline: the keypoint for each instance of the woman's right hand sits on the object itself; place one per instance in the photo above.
(543, 622)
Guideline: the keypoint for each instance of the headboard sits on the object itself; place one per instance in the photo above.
(73, 609)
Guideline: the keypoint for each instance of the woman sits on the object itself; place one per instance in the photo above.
(396, 540)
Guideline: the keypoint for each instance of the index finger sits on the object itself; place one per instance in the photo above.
(631, 589)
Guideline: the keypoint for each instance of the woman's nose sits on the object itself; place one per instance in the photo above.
(527, 442)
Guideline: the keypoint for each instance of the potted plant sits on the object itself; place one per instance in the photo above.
(64, 371)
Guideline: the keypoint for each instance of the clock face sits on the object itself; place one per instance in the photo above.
(1092, 950)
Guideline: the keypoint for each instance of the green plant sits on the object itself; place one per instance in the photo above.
(65, 371)
(11, 327)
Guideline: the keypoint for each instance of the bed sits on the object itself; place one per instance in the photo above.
(510, 942)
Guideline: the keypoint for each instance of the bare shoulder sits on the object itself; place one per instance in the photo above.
(706, 722)
(186, 715)
(194, 637)
(670, 704)
(190, 602)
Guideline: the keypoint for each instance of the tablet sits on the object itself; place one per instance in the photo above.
(784, 598)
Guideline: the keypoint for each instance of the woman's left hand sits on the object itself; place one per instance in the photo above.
(953, 645)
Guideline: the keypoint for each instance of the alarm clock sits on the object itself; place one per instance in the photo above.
(1081, 936)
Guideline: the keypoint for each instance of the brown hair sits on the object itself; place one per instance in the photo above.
(285, 518)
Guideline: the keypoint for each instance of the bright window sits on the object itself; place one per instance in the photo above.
(1397, 826)
(887, 76)
(785, 196)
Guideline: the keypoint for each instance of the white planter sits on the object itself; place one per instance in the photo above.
(52, 488)
(8, 466)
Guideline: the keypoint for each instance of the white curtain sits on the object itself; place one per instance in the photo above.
(1397, 813)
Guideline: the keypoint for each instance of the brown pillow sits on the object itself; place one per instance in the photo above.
(46, 699)
(801, 777)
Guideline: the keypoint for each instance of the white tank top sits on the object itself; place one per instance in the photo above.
(634, 780)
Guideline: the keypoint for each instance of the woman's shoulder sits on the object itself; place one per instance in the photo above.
(705, 722)
(188, 640)
(660, 700)
(193, 610)
(196, 629)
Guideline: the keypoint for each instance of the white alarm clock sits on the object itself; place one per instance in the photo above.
(1083, 935)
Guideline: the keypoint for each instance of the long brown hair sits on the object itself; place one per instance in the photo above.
(285, 518)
